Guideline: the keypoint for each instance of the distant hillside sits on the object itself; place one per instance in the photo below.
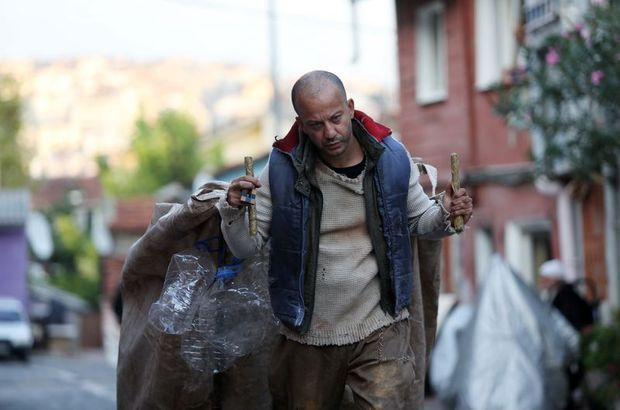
(78, 109)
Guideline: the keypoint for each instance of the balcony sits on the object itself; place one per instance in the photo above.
(540, 13)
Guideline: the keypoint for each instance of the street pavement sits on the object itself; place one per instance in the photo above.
(68, 382)
(56, 381)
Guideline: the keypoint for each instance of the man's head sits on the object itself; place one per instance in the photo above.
(551, 273)
(324, 114)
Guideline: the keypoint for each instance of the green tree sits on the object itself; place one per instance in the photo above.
(167, 150)
(13, 166)
(569, 93)
(74, 261)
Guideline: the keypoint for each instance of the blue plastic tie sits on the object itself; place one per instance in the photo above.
(227, 271)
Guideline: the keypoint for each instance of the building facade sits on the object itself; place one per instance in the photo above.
(451, 56)
(14, 209)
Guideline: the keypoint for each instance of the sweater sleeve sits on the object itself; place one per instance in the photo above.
(427, 217)
(235, 221)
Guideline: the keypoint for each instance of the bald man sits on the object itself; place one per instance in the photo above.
(338, 202)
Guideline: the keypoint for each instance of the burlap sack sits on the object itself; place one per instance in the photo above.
(151, 373)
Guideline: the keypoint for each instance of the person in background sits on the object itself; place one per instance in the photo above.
(564, 297)
(577, 311)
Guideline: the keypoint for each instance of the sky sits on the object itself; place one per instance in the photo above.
(313, 34)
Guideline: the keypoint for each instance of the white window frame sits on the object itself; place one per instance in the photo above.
(519, 246)
(431, 54)
(483, 252)
(496, 45)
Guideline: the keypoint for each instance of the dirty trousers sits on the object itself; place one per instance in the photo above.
(378, 370)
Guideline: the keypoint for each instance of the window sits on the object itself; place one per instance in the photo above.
(431, 53)
(483, 248)
(528, 245)
(461, 284)
(496, 46)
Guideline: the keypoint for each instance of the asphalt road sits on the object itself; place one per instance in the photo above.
(51, 381)
(82, 381)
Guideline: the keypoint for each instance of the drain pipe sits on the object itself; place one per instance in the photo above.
(612, 242)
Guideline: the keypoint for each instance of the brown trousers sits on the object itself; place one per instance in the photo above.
(379, 370)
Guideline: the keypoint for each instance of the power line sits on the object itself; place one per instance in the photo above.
(254, 11)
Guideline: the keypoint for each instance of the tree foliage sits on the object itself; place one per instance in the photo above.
(13, 166)
(569, 93)
(75, 266)
(600, 352)
(167, 150)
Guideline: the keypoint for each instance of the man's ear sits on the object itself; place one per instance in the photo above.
(351, 107)
(300, 124)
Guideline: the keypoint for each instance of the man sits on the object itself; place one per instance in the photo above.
(338, 201)
(563, 296)
(577, 311)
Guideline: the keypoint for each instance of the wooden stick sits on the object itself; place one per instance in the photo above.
(249, 170)
(457, 222)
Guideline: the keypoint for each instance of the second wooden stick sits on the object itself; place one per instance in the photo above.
(457, 222)
(249, 170)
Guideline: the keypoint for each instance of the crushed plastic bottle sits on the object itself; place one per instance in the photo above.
(184, 286)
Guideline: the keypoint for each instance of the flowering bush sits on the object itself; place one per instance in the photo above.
(600, 351)
(569, 93)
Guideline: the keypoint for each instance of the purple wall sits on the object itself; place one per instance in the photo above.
(13, 263)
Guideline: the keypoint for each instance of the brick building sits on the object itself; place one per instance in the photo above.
(451, 54)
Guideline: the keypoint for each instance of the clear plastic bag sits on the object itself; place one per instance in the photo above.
(221, 314)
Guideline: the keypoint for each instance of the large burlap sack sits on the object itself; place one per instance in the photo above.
(424, 296)
(152, 373)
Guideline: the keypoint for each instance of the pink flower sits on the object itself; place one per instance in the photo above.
(597, 76)
(599, 2)
(618, 56)
(552, 57)
(583, 31)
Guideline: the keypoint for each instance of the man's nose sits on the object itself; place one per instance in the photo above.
(329, 131)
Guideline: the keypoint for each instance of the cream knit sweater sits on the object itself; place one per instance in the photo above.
(347, 295)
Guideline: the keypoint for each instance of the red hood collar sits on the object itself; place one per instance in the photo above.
(379, 131)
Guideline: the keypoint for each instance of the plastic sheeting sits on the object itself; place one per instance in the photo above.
(445, 355)
(510, 354)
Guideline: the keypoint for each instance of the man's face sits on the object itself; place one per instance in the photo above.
(326, 119)
(546, 283)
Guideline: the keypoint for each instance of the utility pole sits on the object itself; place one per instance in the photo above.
(355, 32)
(273, 65)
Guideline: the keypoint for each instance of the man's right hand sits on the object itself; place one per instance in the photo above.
(233, 196)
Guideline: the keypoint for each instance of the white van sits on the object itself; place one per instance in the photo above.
(15, 332)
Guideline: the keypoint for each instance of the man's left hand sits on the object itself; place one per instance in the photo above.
(459, 203)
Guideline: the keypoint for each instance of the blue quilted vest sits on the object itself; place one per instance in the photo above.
(295, 230)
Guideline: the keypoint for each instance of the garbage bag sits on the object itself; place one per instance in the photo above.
(514, 351)
(445, 355)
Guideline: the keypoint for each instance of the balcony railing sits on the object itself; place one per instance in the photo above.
(539, 13)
